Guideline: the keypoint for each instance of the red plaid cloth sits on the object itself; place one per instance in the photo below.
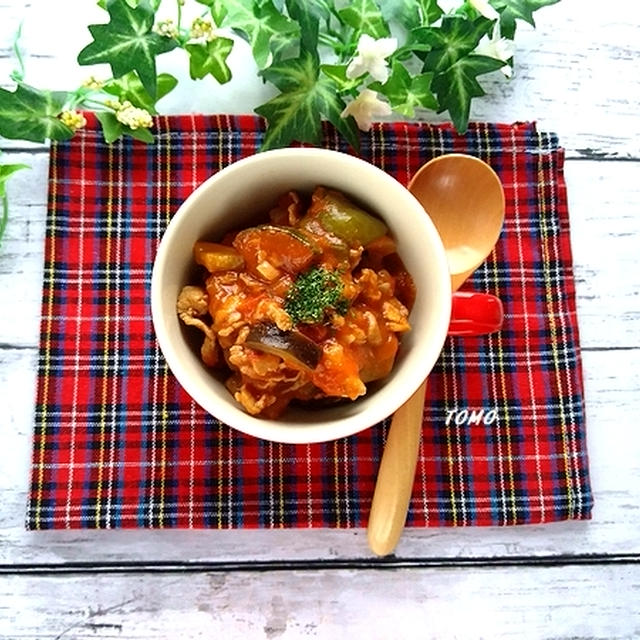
(118, 443)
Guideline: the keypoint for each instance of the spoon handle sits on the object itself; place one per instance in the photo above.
(396, 475)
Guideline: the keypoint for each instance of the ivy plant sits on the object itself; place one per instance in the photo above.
(345, 61)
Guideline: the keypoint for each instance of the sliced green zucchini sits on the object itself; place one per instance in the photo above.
(340, 217)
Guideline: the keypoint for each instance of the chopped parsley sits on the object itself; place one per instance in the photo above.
(314, 295)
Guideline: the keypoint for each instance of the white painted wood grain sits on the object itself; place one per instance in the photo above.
(430, 604)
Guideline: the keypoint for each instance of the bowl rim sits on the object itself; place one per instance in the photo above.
(281, 429)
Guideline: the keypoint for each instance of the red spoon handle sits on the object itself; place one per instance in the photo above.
(475, 314)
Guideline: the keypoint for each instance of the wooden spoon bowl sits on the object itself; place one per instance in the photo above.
(464, 198)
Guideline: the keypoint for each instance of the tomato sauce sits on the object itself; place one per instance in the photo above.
(309, 305)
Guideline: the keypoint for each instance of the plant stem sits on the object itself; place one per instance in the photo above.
(4, 217)
(94, 102)
(331, 41)
(18, 74)
(179, 19)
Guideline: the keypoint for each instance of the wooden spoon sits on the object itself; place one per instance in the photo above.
(464, 198)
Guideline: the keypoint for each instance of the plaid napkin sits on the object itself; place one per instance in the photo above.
(118, 443)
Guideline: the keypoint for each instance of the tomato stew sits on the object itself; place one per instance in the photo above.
(308, 306)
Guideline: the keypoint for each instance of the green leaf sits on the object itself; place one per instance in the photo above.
(455, 38)
(296, 113)
(132, 3)
(411, 13)
(364, 16)
(7, 170)
(262, 25)
(142, 134)
(112, 129)
(457, 85)
(406, 93)
(127, 43)
(4, 217)
(308, 23)
(338, 73)
(32, 114)
(166, 84)
(129, 87)
(217, 8)
(420, 92)
(210, 58)
(512, 10)
(321, 9)
(17, 75)
(522, 9)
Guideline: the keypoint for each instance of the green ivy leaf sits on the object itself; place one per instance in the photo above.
(302, 12)
(338, 73)
(522, 9)
(127, 42)
(4, 215)
(411, 13)
(512, 10)
(321, 9)
(217, 8)
(455, 38)
(129, 87)
(457, 85)
(364, 16)
(405, 93)
(32, 114)
(210, 58)
(112, 129)
(155, 4)
(307, 96)
(262, 25)
(7, 170)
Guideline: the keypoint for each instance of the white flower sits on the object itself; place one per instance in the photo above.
(484, 8)
(497, 47)
(370, 57)
(449, 5)
(365, 107)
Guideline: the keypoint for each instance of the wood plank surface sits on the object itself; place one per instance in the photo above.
(431, 604)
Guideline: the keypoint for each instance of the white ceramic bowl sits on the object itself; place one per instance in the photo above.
(233, 198)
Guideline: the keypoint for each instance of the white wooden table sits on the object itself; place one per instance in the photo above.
(578, 74)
